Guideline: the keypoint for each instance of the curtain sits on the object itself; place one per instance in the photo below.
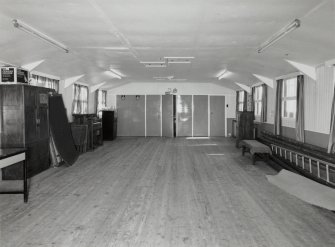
(237, 99)
(252, 107)
(331, 146)
(264, 103)
(96, 101)
(300, 117)
(83, 99)
(76, 106)
(245, 101)
(278, 107)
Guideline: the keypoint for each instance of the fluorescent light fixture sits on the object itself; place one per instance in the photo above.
(280, 34)
(30, 30)
(112, 74)
(222, 74)
(116, 72)
(155, 64)
(176, 61)
(182, 58)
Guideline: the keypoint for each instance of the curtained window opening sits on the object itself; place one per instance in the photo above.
(240, 103)
(289, 98)
(258, 92)
(80, 99)
(42, 81)
(102, 102)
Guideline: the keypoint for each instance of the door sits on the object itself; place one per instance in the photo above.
(200, 115)
(167, 115)
(217, 115)
(153, 120)
(184, 115)
(131, 115)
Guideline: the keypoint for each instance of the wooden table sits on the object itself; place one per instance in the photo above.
(11, 156)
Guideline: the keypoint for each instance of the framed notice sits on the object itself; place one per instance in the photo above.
(22, 76)
(7, 74)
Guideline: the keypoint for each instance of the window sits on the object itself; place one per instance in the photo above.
(289, 98)
(80, 99)
(240, 100)
(102, 101)
(258, 100)
(46, 82)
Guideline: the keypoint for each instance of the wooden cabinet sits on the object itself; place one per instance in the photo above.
(109, 125)
(244, 126)
(24, 123)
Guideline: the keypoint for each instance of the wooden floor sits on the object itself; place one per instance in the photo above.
(162, 192)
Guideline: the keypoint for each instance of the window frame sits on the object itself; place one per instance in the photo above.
(240, 100)
(83, 102)
(102, 101)
(258, 100)
(285, 97)
(46, 82)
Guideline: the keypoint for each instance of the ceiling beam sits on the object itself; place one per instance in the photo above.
(96, 87)
(306, 69)
(266, 80)
(69, 81)
(33, 65)
(244, 87)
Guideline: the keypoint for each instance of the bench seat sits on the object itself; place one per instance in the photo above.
(255, 147)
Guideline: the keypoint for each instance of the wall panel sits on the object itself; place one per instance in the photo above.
(200, 115)
(154, 120)
(184, 115)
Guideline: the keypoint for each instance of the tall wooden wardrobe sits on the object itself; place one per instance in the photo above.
(24, 123)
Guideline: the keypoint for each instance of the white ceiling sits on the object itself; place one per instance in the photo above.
(121, 33)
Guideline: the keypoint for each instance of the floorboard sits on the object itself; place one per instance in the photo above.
(161, 192)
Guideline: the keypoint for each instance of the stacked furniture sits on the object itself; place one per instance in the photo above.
(94, 137)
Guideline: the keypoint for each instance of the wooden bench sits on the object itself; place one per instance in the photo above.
(255, 148)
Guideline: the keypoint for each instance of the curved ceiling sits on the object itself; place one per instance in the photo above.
(219, 34)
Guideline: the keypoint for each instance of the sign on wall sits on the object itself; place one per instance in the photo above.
(22, 76)
(7, 74)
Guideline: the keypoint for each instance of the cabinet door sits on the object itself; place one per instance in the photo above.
(153, 119)
(167, 115)
(217, 116)
(131, 115)
(184, 115)
(11, 116)
(200, 115)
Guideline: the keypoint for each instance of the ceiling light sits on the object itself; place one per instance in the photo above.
(113, 74)
(179, 57)
(155, 64)
(222, 74)
(280, 34)
(116, 72)
(30, 30)
(176, 61)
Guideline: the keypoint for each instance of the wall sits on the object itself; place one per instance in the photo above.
(318, 102)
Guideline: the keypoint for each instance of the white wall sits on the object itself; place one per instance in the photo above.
(183, 89)
(318, 100)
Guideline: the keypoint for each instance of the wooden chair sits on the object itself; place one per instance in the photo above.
(79, 134)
